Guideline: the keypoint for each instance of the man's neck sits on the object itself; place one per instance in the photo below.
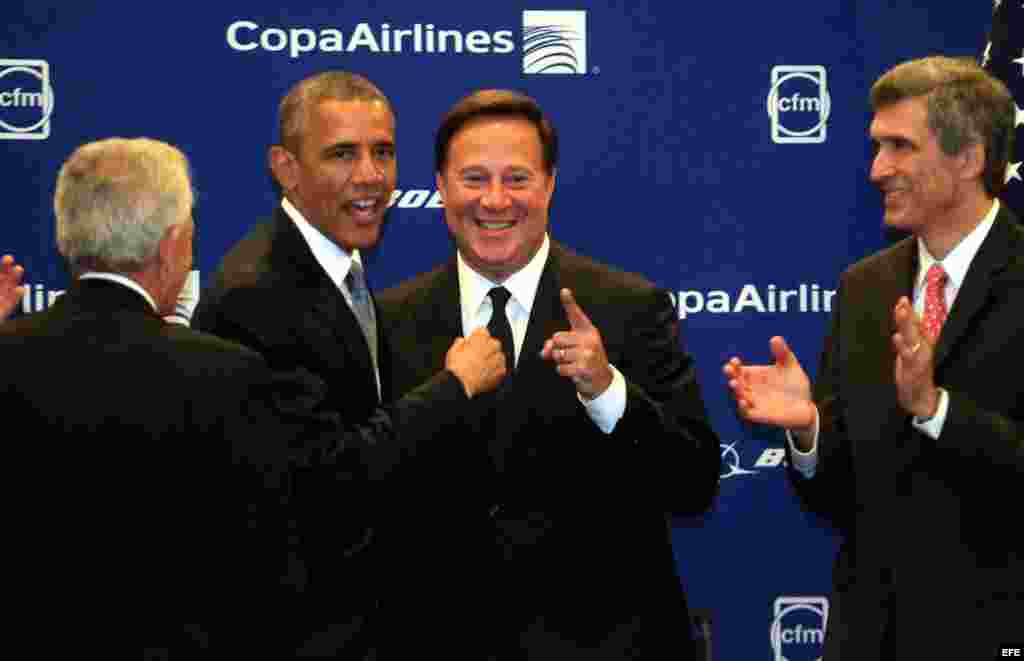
(941, 238)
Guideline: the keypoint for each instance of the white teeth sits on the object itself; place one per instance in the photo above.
(363, 204)
(495, 226)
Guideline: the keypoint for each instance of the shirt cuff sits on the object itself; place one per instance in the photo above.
(933, 426)
(806, 463)
(608, 408)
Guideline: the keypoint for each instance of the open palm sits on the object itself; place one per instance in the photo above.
(778, 394)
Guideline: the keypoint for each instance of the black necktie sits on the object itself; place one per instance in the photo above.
(498, 326)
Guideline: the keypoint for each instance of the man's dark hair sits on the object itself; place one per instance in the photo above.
(496, 103)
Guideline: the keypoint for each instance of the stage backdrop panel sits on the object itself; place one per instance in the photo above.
(718, 148)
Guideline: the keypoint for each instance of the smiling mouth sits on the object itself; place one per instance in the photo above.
(495, 225)
(366, 209)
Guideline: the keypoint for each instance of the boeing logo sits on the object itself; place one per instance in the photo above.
(731, 467)
(799, 104)
(416, 198)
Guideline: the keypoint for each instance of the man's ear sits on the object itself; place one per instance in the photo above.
(442, 188)
(284, 166)
(167, 248)
(972, 161)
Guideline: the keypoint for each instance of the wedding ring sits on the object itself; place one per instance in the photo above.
(914, 348)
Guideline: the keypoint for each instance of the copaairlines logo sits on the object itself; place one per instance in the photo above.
(244, 35)
(555, 42)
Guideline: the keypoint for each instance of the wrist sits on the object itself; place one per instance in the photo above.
(803, 437)
(929, 407)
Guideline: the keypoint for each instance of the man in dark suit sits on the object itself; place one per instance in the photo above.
(159, 479)
(11, 289)
(294, 290)
(555, 535)
(912, 443)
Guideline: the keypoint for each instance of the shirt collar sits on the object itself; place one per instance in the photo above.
(121, 280)
(959, 258)
(522, 284)
(331, 257)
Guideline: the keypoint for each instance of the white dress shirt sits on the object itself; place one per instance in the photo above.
(607, 408)
(331, 257)
(955, 264)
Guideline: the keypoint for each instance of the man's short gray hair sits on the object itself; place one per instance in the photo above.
(116, 198)
(966, 105)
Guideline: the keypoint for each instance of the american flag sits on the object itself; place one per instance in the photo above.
(1004, 58)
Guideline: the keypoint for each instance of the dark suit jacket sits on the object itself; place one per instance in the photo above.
(271, 294)
(931, 559)
(553, 536)
(156, 476)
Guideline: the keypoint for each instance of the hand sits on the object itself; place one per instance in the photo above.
(777, 394)
(11, 290)
(914, 372)
(477, 361)
(579, 353)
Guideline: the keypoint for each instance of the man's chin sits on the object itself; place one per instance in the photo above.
(898, 223)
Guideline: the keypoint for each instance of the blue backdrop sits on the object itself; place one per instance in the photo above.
(718, 148)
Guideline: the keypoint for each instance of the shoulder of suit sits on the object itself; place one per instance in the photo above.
(884, 259)
(199, 344)
(248, 261)
(575, 270)
(411, 291)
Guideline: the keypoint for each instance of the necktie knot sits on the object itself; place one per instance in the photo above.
(936, 277)
(355, 280)
(499, 298)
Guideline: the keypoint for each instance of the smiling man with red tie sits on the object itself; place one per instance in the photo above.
(912, 440)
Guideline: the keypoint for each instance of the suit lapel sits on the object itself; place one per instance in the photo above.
(325, 304)
(991, 260)
(546, 318)
(872, 337)
(442, 316)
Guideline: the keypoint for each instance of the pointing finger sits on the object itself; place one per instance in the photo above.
(578, 320)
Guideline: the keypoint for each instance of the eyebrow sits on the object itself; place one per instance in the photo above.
(349, 144)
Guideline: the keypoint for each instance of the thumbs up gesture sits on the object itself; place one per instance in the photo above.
(579, 352)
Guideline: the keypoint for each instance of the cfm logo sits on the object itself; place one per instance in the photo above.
(26, 99)
(555, 42)
(731, 467)
(798, 628)
(799, 104)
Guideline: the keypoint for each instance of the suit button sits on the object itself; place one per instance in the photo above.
(494, 510)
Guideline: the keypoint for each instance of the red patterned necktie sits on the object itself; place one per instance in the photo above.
(934, 301)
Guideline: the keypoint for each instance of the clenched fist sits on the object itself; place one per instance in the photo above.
(477, 361)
